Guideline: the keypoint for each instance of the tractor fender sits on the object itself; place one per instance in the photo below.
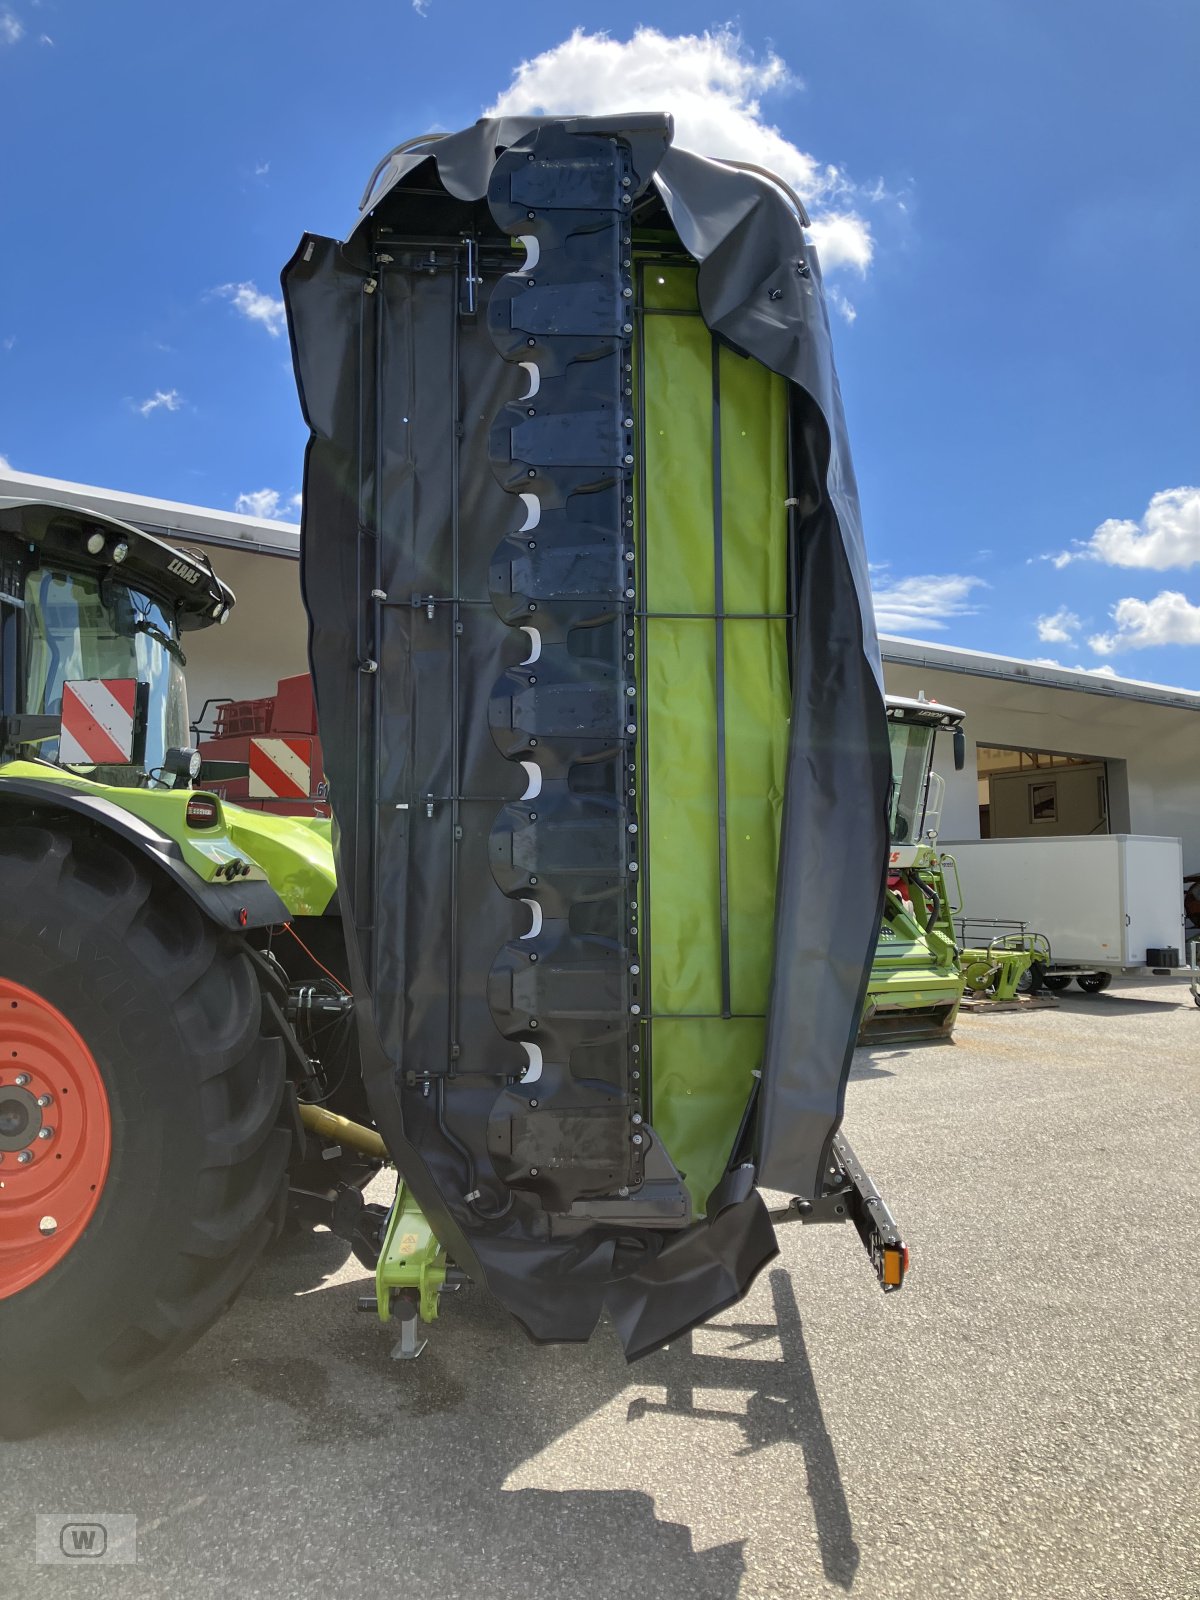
(246, 904)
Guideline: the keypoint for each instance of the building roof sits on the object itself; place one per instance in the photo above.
(267, 536)
(167, 519)
(1011, 669)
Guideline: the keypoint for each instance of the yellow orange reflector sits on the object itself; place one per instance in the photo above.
(895, 1262)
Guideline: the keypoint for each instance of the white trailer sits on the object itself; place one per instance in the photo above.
(1101, 900)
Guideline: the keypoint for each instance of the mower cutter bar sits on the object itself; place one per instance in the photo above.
(851, 1196)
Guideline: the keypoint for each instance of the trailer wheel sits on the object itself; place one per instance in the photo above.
(144, 1169)
(1056, 982)
(1094, 982)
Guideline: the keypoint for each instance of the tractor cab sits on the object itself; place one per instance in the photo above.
(91, 660)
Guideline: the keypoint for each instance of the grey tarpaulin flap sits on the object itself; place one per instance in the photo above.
(469, 492)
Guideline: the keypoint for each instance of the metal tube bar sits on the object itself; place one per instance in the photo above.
(360, 688)
(642, 774)
(378, 299)
(455, 633)
(719, 609)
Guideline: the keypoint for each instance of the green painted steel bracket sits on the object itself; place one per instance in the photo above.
(995, 973)
(412, 1258)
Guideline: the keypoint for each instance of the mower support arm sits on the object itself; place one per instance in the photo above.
(851, 1196)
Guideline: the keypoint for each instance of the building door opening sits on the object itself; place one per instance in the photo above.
(1039, 793)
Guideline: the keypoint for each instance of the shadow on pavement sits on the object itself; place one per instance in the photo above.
(868, 1066)
(288, 1448)
(784, 1408)
(1105, 1001)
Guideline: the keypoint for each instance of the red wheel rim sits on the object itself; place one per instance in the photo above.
(55, 1137)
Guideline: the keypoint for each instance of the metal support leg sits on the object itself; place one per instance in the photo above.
(409, 1346)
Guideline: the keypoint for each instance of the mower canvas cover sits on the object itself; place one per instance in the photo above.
(600, 701)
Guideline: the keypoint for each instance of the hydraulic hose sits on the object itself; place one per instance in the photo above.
(935, 904)
(455, 1143)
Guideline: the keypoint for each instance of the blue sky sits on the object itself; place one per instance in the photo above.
(1008, 205)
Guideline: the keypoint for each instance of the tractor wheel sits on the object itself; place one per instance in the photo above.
(1033, 979)
(1056, 982)
(1094, 982)
(142, 1163)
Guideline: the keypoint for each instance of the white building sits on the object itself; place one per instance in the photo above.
(1053, 751)
(1049, 750)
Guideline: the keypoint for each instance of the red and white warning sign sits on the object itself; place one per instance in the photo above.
(280, 769)
(98, 716)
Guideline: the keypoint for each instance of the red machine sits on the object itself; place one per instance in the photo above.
(265, 753)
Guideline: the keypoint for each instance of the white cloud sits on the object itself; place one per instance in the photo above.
(5, 464)
(421, 7)
(249, 300)
(261, 168)
(922, 605)
(1058, 627)
(268, 503)
(160, 400)
(844, 308)
(1170, 618)
(8, 342)
(11, 28)
(842, 239)
(1096, 672)
(1168, 535)
(712, 86)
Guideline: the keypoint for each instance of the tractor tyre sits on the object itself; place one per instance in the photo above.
(141, 1149)
(1056, 982)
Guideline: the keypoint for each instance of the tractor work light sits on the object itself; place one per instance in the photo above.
(120, 550)
(95, 543)
(183, 762)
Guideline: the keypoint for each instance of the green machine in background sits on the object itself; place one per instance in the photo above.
(920, 973)
(916, 981)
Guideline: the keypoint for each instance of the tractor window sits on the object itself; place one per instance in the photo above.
(912, 751)
(75, 628)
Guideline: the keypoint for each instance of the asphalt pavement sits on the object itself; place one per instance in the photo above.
(1021, 1421)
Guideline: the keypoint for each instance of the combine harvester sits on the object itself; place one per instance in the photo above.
(920, 974)
(601, 713)
(916, 982)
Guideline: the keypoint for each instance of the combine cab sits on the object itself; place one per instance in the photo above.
(916, 980)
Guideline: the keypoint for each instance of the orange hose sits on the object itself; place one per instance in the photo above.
(313, 959)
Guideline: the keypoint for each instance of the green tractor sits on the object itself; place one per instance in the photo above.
(172, 978)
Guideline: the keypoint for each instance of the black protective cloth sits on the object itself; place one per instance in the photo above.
(408, 638)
